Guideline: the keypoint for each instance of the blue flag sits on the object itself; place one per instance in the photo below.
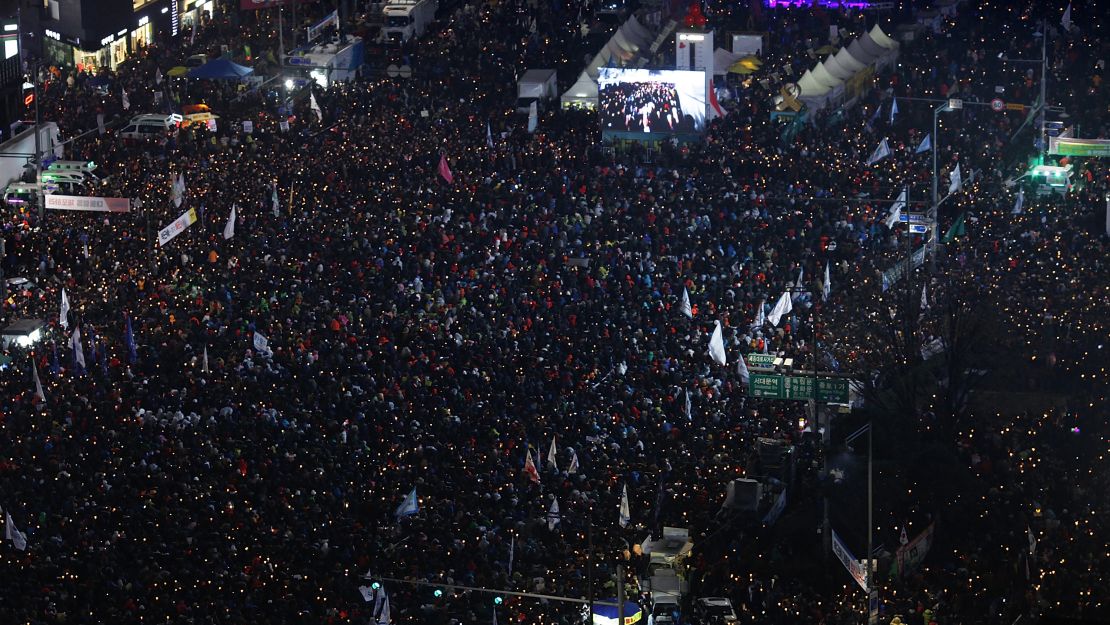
(409, 506)
(925, 145)
(893, 110)
(129, 338)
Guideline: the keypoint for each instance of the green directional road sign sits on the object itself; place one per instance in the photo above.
(761, 361)
(773, 386)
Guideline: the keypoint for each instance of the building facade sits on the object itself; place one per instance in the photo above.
(96, 34)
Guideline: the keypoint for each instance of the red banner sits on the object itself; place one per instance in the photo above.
(266, 4)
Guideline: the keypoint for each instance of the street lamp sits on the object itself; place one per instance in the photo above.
(953, 104)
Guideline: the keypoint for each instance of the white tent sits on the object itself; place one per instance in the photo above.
(808, 85)
(623, 49)
(882, 39)
(837, 70)
(846, 60)
(822, 75)
(582, 93)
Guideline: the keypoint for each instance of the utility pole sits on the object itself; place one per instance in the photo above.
(870, 521)
(281, 39)
(620, 595)
(1044, 75)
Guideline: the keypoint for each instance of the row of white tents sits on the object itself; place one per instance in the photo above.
(631, 46)
(824, 84)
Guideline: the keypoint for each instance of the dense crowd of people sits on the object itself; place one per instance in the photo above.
(408, 300)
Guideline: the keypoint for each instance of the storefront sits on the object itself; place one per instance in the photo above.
(109, 41)
(193, 10)
(142, 36)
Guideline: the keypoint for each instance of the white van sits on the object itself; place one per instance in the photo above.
(85, 167)
(145, 127)
(63, 181)
(21, 193)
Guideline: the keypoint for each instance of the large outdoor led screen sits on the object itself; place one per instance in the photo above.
(651, 101)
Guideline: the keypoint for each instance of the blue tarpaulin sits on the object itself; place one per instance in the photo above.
(607, 614)
(220, 69)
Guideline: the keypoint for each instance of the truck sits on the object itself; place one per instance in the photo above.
(536, 85)
(403, 20)
(666, 577)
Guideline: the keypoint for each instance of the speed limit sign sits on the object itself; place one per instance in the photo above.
(997, 105)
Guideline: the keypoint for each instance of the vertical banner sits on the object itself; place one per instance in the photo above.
(854, 566)
(910, 555)
(188, 218)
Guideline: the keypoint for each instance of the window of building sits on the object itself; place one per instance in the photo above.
(138, 4)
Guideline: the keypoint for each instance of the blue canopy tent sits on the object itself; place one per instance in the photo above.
(607, 614)
(220, 69)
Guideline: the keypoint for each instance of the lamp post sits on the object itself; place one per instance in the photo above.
(950, 105)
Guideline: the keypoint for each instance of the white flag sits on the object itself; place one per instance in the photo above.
(689, 405)
(880, 153)
(533, 117)
(315, 107)
(717, 344)
(1019, 203)
(275, 202)
(78, 350)
(489, 136)
(383, 616)
(826, 288)
(1065, 21)
(742, 369)
(409, 506)
(625, 513)
(895, 214)
(204, 360)
(573, 468)
(512, 549)
(38, 383)
(794, 295)
(177, 191)
(18, 538)
(552, 455)
(924, 296)
(893, 109)
(126, 103)
(262, 344)
(63, 314)
(782, 307)
(229, 227)
(686, 308)
(955, 180)
(760, 315)
(553, 515)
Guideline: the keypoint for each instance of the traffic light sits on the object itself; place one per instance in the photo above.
(498, 600)
(437, 593)
(375, 585)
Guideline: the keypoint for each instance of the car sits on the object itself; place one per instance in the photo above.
(714, 610)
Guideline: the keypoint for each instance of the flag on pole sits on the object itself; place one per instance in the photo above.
(63, 314)
(714, 103)
(742, 369)
(880, 153)
(760, 315)
(409, 506)
(383, 615)
(38, 383)
(129, 339)
(689, 405)
(874, 116)
(782, 307)
(798, 283)
(895, 214)
(315, 106)
(826, 288)
(204, 360)
(625, 513)
(18, 538)
(893, 109)
(573, 468)
(275, 202)
(229, 227)
(903, 539)
(687, 309)
(126, 103)
(530, 467)
(78, 350)
(552, 455)
(533, 117)
(955, 180)
(1065, 21)
(489, 136)
(1029, 530)
(925, 145)
(717, 344)
(512, 548)
(177, 191)
(924, 296)
(958, 229)
(553, 517)
(444, 170)
(1019, 203)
